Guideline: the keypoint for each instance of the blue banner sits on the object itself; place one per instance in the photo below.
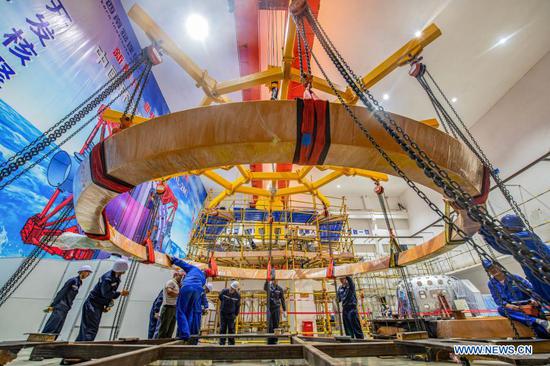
(53, 55)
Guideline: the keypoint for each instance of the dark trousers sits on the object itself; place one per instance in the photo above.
(167, 321)
(55, 321)
(274, 317)
(89, 325)
(227, 326)
(352, 325)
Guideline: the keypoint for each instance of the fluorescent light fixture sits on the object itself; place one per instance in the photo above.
(197, 27)
(386, 96)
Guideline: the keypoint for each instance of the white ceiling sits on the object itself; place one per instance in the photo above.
(217, 53)
(464, 60)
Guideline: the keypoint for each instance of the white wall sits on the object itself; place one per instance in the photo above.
(513, 133)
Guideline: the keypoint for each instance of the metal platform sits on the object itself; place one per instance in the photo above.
(324, 351)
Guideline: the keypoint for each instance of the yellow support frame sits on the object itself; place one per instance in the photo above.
(305, 185)
(215, 91)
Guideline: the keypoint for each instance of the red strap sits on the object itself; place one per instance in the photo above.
(313, 138)
(213, 266)
(150, 251)
(485, 187)
(99, 174)
(105, 236)
(330, 269)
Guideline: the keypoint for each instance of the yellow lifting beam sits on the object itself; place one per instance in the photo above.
(113, 116)
(399, 58)
(215, 91)
(288, 55)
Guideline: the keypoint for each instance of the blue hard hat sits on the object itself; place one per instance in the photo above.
(487, 263)
(512, 222)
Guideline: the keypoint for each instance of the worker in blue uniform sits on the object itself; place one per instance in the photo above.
(63, 301)
(515, 226)
(100, 300)
(230, 304)
(346, 295)
(275, 302)
(189, 305)
(510, 299)
(154, 316)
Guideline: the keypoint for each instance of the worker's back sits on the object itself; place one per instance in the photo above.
(105, 290)
(194, 277)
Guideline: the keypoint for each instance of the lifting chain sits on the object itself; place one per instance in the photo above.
(451, 189)
(45, 140)
(467, 137)
(306, 77)
(57, 146)
(403, 273)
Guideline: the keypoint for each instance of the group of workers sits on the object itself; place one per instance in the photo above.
(183, 301)
(99, 300)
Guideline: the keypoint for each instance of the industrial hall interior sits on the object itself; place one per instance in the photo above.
(274, 182)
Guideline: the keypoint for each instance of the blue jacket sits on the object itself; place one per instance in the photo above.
(194, 276)
(105, 290)
(507, 292)
(230, 303)
(277, 298)
(157, 303)
(64, 298)
(346, 294)
(534, 243)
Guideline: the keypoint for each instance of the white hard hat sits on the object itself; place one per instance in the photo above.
(235, 285)
(120, 266)
(85, 268)
(209, 286)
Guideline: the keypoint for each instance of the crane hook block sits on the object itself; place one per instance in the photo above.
(298, 7)
(153, 55)
(417, 69)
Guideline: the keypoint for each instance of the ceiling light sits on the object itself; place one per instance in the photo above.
(502, 41)
(385, 96)
(418, 34)
(338, 186)
(454, 99)
(197, 27)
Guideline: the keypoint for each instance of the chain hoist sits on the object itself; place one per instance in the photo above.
(441, 179)
(451, 189)
(57, 146)
(395, 249)
(12, 164)
(466, 136)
